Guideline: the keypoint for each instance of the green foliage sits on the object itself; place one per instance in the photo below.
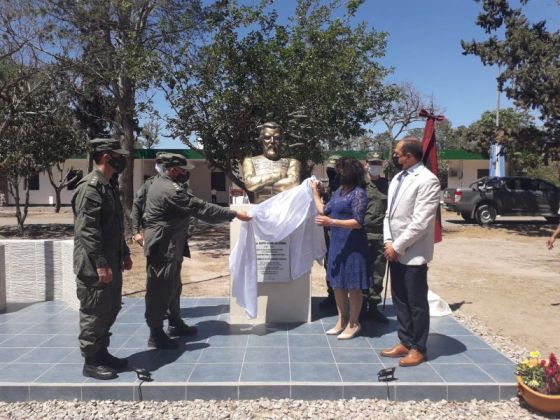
(447, 137)
(528, 59)
(318, 76)
(525, 142)
(41, 134)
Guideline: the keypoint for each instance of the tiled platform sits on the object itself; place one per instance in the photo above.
(39, 359)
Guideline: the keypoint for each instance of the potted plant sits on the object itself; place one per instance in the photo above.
(538, 382)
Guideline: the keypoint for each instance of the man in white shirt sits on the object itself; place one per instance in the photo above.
(408, 236)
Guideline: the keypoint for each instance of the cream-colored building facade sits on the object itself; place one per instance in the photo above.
(463, 169)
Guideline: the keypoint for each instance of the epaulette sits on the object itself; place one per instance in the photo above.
(177, 186)
(94, 180)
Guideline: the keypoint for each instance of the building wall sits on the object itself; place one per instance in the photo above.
(46, 195)
(465, 172)
(199, 181)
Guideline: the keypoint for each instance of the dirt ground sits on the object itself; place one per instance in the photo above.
(502, 275)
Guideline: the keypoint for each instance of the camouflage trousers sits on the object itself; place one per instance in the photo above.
(163, 291)
(99, 306)
(378, 266)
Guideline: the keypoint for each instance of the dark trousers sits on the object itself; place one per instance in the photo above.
(409, 289)
(99, 306)
(378, 266)
(163, 291)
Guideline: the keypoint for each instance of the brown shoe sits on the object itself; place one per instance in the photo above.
(398, 351)
(413, 358)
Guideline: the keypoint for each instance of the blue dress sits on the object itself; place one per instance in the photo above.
(348, 262)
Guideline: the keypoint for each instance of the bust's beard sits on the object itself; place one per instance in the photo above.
(271, 153)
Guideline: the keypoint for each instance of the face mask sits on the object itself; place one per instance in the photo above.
(374, 170)
(118, 164)
(396, 162)
(160, 168)
(182, 177)
(331, 173)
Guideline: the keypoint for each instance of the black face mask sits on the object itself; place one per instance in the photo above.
(396, 162)
(118, 164)
(182, 178)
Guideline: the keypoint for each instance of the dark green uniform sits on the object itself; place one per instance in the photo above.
(373, 224)
(98, 242)
(166, 219)
(139, 205)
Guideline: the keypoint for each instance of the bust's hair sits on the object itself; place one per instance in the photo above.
(272, 125)
(413, 146)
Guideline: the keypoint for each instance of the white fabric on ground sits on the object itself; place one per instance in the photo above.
(438, 306)
(288, 214)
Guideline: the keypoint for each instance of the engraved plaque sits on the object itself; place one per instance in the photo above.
(273, 261)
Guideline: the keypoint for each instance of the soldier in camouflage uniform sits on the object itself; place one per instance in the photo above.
(139, 203)
(100, 254)
(168, 208)
(326, 193)
(377, 190)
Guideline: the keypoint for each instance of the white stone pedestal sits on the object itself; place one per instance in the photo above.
(2, 278)
(277, 302)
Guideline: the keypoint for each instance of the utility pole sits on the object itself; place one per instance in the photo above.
(498, 102)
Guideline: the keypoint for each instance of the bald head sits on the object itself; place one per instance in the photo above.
(408, 152)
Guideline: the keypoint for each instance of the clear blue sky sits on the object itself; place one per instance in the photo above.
(424, 49)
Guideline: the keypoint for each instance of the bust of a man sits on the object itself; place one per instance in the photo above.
(268, 174)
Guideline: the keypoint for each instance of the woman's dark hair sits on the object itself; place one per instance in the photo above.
(352, 173)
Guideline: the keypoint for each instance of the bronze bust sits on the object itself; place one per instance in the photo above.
(268, 174)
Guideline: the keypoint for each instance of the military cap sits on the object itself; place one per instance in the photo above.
(160, 156)
(107, 145)
(170, 160)
(331, 161)
(374, 157)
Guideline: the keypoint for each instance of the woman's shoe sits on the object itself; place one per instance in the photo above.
(335, 331)
(347, 336)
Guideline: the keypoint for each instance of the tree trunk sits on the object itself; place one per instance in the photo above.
(126, 111)
(57, 198)
(21, 215)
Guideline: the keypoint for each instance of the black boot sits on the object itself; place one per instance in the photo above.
(178, 328)
(94, 368)
(109, 360)
(376, 315)
(159, 340)
(328, 302)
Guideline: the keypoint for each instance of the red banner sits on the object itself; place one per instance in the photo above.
(429, 157)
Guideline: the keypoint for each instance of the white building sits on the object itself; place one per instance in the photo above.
(463, 169)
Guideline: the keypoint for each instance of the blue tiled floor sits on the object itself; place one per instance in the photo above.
(39, 358)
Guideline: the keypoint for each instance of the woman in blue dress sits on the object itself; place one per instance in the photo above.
(348, 270)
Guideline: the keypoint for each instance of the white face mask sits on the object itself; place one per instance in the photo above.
(374, 170)
(160, 168)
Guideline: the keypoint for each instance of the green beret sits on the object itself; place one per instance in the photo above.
(107, 145)
(374, 157)
(331, 162)
(170, 160)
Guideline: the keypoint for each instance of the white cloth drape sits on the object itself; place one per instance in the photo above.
(290, 214)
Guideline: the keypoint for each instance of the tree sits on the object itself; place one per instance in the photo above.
(42, 135)
(117, 45)
(149, 135)
(446, 136)
(402, 110)
(527, 57)
(317, 75)
(525, 142)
